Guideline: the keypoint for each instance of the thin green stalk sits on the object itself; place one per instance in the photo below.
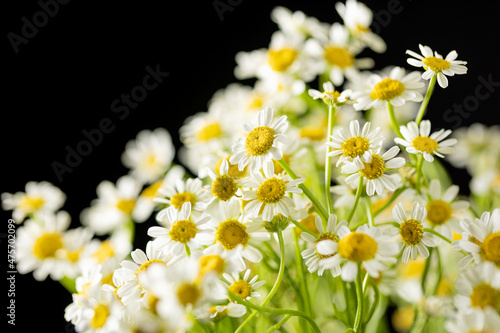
(426, 270)
(439, 272)
(278, 325)
(276, 283)
(356, 200)
(304, 229)
(420, 161)
(359, 296)
(426, 100)
(375, 303)
(368, 207)
(69, 284)
(394, 122)
(300, 272)
(328, 160)
(434, 232)
(188, 250)
(389, 202)
(321, 210)
(261, 308)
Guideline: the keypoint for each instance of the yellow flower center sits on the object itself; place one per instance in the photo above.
(240, 288)
(150, 191)
(361, 28)
(151, 302)
(436, 64)
(259, 140)
(224, 187)
(47, 245)
(445, 288)
(438, 212)
(211, 263)
(101, 313)
(355, 146)
(281, 59)
(126, 206)
(338, 56)
(412, 269)
(231, 233)
(411, 232)
(271, 190)
(425, 144)
(181, 198)
(31, 203)
(309, 222)
(145, 265)
(188, 293)
(104, 252)
(256, 102)
(374, 169)
(233, 169)
(322, 237)
(491, 247)
(358, 247)
(484, 295)
(182, 231)
(387, 89)
(150, 161)
(220, 315)
(208, 132)
(73, 256)
(313, 133)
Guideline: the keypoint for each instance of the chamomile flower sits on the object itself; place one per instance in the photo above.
(38, 243)
(131, 290)
(241, 287)
(368, 247)
(260, 141)
(481, 239)
(475, 320)
(355, 146)
(415, 239)
(223, 187)
(374, 172)
(357, 18)
(443, 210)
(149, 155)
(76, 240)
(417, 140)
(397, 89)
(38, 197)
(298, 24)
(183, 234)
(219, 312)
(206, 130)
(330, 96)
(231, 235)
(115, 206)
(479, 287)
(434, 64)
(269, 193)
(321, 253)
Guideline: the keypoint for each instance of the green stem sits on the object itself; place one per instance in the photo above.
(68, 283)
(273, 311)
(425, 102)
(307, 192)
(394, 122)
(328, 161)
(356, 201)
(434, 232)
(359, 296)
(426, 270)
(389, 202)
(188, 251)
(276, 283)
(369, 213)
(300, 271)
(278, 325)
(439, 272)
(375, 303)
(420, 161)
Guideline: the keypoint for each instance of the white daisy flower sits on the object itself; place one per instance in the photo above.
(434, 64)
(367, 246)
(415, 239)
(131, 290)
(150, 155)
(223, 187)
(269, 193)
(38, 197)
(479, 287)
(443, 210)
(241, 287)
(260, 142)
(374, 172)
(321, 253)
(417, 140)
(396, 89)
(108, 252)
(475, 320)
(486, 183)
(72, 253)
(231, 235)
(38, 242)
(234, 310)
(330, 96)
(298, 24)
(481, 239)
(355, 146)
(336, 55)
(344, 194)
(357, 18)
(114, 207)
(183, 235)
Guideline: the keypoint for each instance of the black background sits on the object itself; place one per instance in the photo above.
(65, 78)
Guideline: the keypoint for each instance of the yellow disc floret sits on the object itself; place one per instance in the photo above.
(355, 146)
(281, 59)
(411, 232)
(491, 246)
(101, 314)
(188, 293)
(31, 203)
(211, 263)
(47, 245)
(210, 131)
(126, 206)
(387, 89)
(181, 198)
(182, 231)
(240, 288)
(224, 187)
(146, 264)
(484, 295)
(271, 190)
(338, 56)
(259, 140)
(374, 169)
(436, 64)
(357, 246)
(438, 212)
(231, 233)
(313, 133)
(425, 144)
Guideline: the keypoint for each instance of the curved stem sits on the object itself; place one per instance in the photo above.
(274, 311)
(359, 296)
(426, 270)
(278, 325)
(304, 229)
(394, 122)
(328, 161)
(356, 201)
(301, 273)
(425, 102)
(389, 202)
(276, 283)
(307, 192)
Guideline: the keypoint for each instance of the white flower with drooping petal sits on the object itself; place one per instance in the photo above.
(298, 24)
(434, 64)
(332, 97)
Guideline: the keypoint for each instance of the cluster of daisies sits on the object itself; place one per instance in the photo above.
(281, 183)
